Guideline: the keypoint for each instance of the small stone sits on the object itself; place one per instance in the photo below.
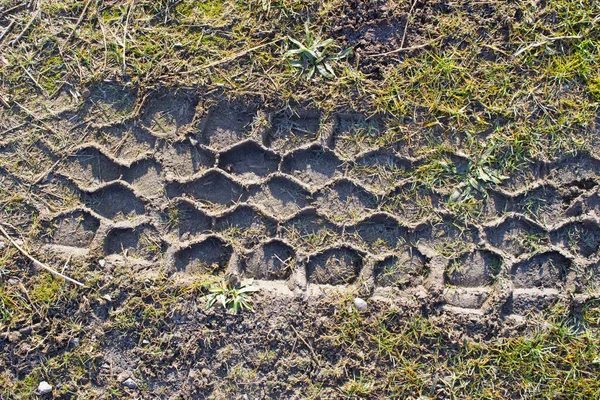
(105, 366)
(102, 263)
(193, 141)
(74, 342)
(121, 374)
(14, 336)
(13, 281)
(145, 341)
(107, 298)
(2, 245)
(130, 383)
(44, 388)
(360, 304)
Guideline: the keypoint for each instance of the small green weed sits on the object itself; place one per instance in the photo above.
(230, 296)
(476, 174)
(313, 55)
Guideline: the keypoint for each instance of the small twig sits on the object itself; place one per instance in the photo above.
(46, 173)
(9, 130)
(420, 46)
(35, 15)
(312, 352)
(79, 21)
(105, 46)
(125, 33)
(15, 8)
(407, 22)
(66, 264)
(35, 118)
(8, 29)
(231, 58)
(35, 261)
(489, 46)
(37, 84)
(543, 42)
(4, 100)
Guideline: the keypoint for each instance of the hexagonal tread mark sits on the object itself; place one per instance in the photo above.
(279, 197)
(313, 166)
(411, 202)
(310, 231)
(525, 176)
(290, 132)
(408, 268)
(378, 233)
(344, 201)
(336, 266)
(114, 201)
(591, 204)
(580, 238)
(354, 134)
(142, 241)
(183, 159)
(517, 236)
(74, 229)
(546, 270)
(127, 142)
(225, 125)
(448, 236)
(380, 170)
(473, 269)
(495, 205)
(185, 221)
(209, 255)
(545, 203)
(145, 176)
(581, 168)
(214, 188)
(165, 114)
(90, 166)
(245, 226)
(249, 161)
(108, 102)
(588, 279)
(273, 260)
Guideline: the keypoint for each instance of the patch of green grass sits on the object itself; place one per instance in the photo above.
(555, 360)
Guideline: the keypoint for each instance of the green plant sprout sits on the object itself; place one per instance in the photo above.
(231, 297)
(313, 55)
(476, 174)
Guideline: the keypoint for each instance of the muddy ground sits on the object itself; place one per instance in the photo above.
(468, 217)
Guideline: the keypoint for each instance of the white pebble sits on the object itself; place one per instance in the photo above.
(44, 388)
(130, 383)
(102, 263)
(360, 304)
(2, 245)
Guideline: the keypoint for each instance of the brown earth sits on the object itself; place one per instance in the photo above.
(148, 191)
